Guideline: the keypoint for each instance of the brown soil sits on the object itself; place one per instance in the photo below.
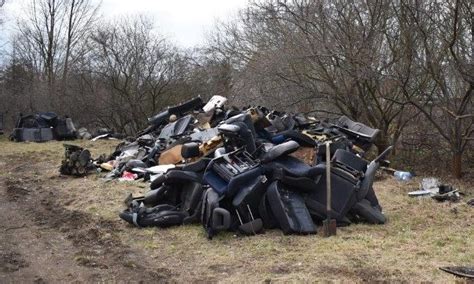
(43, 241)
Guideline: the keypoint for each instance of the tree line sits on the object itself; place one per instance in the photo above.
(404, 67)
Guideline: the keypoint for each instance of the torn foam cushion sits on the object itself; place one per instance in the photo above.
(171, 156)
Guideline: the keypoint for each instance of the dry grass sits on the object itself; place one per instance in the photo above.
(421, 234)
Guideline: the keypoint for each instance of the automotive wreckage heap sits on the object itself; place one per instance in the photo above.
(247, 170)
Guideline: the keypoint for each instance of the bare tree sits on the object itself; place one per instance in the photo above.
(2, 2)
(137, 65)
(379, 62)
(333, 57)
(389, 64)
(51, 36)
(81, 16)
(446, 32)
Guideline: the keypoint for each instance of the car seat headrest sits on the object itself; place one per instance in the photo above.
(190, 150)
(280, 150)
(229, 129)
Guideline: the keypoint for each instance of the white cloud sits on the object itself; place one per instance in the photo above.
(184, 21)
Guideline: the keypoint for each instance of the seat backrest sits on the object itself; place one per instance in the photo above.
(215, 181)
(368, 180)
(159, 118)
(191, 195)
(251, 193)
(213, 218)
(242, 180)
(245, 118)
(369, 176)
(186, 106)
(198, 167)
(180, 177)
(289, 209)
(356, 128)
(160, 195)
(350, 159)
(343, 195)
(291, 166)
(248, 135)
(299, 137)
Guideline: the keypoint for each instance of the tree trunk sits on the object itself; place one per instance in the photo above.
(70, 29)
(381, 146)
(457, 165)
(382, 142)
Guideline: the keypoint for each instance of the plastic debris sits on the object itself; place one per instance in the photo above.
(403, 176)
(433, 188)
(127, 176)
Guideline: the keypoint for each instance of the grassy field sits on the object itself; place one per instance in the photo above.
(420, 236)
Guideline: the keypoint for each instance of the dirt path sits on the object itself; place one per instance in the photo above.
(42, 241)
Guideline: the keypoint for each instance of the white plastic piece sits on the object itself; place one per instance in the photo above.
(214, 102)
(419, 193)
(160, 169)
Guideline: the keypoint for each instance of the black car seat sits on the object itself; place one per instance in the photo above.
(367, 207)
(180, 190)
(289, 209)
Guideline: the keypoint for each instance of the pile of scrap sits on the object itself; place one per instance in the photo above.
(248, 169)
(47, 126)
(77, 161)
(42, 127)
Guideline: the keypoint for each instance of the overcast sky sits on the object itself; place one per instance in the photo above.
(184, 21)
